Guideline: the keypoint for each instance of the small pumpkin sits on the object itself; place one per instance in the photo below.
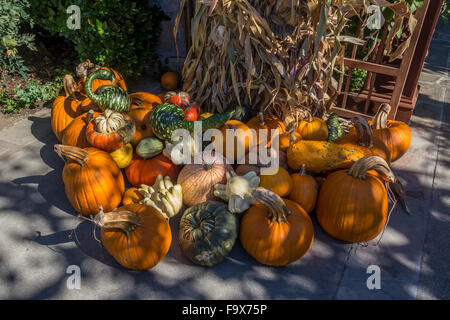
(313, 128)
(110, 130)
(91, 179)
(262, 123)
(75, 133)
(234, 141)
(144, 100)
(136, 236)
(123, 156)
(181, 99)
(141, 171)
(281, 182)
(275, 231)
(304, 190)
(198, 180)
(207, 233)
(141, 118)
(287, 139)
(132, 195)
(353, 205)
(149, 147)
(170, 81)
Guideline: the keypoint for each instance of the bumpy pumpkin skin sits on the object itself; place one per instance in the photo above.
(146, 246)
(98, 181)
(142, 171)
(352, 210)
(304, 190)
(316, 129)
(276, 243)
(281, 183)
(207, 233)
(75, 133)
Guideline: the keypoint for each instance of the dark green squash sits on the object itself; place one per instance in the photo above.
(168, 117)
(109, 96)
(207, 233)
(335, 130)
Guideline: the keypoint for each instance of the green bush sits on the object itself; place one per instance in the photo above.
(13, 15)
(120, 34)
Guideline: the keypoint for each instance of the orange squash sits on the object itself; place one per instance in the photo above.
(132, 195)
(313, 128)
(141, 118)
(75, 133)
(281, 183)
(64, 111)
(91, 179)
(275, 231)
(304, 190)
(268, 123)
(142, 171)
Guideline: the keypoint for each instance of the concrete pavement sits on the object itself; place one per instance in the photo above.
(40, 236)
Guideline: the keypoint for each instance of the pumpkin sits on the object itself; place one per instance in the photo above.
(304, 190)
(75, 133)
(141, 171)
(260, 122)
(149, 147)
(234, 141)
(313, 128)
(335, 130)
(280, 182)
(170, 81)
(123, 156)
(64, 111)
(91, 179)
(136, 236)
(97, 83)
(207, 233)
(144, 100)
(287, 139)
(110, 130)
(353, 205)
(181, 99)
(132, 195)
(197, 180)
(396, 135)
(275, 231)
(141, 118)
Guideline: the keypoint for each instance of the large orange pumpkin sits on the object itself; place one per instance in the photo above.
(353, 205)
(75, 133)
(266, 123)
(304, 189)
(91, 179)
(137, 236)
(141, 118)
(142, 171)
(313, 128)
(239, 141)
(275, 231)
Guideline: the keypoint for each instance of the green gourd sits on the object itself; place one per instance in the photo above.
(207, 233)
(109, 96)
(335, 130)
(168, 117)
(149, 147)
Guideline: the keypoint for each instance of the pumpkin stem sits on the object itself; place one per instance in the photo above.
(262, 121)
(380, 118)
(124, 220)
(76, 154)
(278, 210)
(302, 170)
(360, 168)
(364, 131)
(310, 116)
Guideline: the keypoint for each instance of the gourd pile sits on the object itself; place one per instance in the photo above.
(109, 137)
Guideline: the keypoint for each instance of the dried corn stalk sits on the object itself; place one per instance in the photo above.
(275, 56)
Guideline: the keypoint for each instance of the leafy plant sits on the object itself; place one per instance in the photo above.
(13, 14)
(122, 34)
(445, 12)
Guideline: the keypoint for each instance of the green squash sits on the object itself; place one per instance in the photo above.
(149, 147)
(335, 130)
(109, 96)
(207, 233)
(168, 117)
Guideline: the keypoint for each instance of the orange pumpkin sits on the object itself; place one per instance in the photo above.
(142, 171)
(91, 179)
(64, 111)
(141, 118)
(240, 144)
(396, 135)
(304, 190)
(137, 236)
(75, 133)
(353, 206)
(275, 231)
(170, 81)
(144, 100)
(281, 183)
(269, 123)
(132, 195)
(313, 128)
(286, 139)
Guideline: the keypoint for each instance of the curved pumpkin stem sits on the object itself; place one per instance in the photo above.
(360, 168)
(76, 154)
(124, 220)
(278, 210)
(364, 131)
(380, 118)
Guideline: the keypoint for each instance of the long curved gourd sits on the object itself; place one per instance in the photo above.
(168, 117)
(109, 96)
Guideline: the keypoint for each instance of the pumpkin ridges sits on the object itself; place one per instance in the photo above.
(313, 129)
(305, 190)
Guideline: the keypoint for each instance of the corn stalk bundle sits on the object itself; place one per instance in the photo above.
(275, 56)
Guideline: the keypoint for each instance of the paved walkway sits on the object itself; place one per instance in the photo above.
(37, 244)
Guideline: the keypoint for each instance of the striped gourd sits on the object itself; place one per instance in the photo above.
(109, 96)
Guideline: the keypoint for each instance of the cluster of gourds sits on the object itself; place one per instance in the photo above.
(109, 137)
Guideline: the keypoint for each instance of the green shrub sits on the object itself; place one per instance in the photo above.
(120, 34)
(13, 15)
